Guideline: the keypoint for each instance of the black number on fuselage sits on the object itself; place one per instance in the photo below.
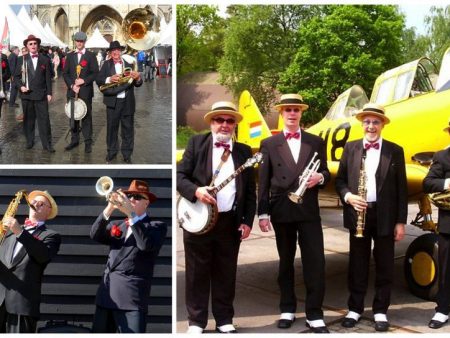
(335, 143)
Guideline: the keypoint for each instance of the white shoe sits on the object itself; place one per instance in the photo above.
(194, 329)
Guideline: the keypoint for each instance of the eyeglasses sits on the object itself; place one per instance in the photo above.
(31, 43)
(39, 204)
(288, 110)
(221, 120)
(136, 197)
(374, 122)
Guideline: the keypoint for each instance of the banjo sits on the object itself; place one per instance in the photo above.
(76, 108)
(199, 218)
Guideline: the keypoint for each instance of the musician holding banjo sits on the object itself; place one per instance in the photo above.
(80, 72)
(211, 257)
(119, 100)
(285, 158)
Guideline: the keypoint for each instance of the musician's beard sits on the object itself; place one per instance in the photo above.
(223, 137)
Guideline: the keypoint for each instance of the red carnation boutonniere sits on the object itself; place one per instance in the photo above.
(83, 63)
(115, 231)
(3, 64)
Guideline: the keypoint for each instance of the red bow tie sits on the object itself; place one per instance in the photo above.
(29, 223)
(295, 135)
(34, 55)
(118, 62)
(374, 145)
(222, 144)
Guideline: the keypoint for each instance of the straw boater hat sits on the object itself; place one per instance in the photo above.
(220, 108)
(31, 37)
(140, 187)
(372, 109)
(46, 194)
(448, 127)
(291, 100)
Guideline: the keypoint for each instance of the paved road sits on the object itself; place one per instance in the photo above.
(153, 126)
(257, 296)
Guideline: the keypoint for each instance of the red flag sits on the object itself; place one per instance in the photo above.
(4, 43)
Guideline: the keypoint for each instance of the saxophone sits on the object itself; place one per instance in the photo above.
(11, 212)
(362, 192)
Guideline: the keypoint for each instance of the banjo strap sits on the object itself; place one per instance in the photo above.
(72, 113)
(223, 159)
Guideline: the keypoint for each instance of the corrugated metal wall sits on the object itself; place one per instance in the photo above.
(71, 279)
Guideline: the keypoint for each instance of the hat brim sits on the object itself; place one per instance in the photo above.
(120, 47)
(360, 116)
(302, 106)
(210, 115)
(35, 39)
(35, 193)
(151, 197)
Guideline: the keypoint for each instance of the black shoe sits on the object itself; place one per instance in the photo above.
(381, 326)
(348, 322)
(71, 146)
(87, 148)
(318, 329)
(285, 323)
(30, 145)
(110, 158)
(50, 149)
(220, 331)
(127, 160)
(436, 324)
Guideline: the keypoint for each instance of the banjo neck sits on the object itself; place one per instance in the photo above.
(222, 185)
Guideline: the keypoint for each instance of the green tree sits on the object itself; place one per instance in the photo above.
(350, 45)
(258, 46)
(414, 45)
(439, 32)
(199, 38)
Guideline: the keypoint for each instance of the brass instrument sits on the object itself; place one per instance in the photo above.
(2, 92)
(140, 29)
(25, 72)
(362, 192)
(11, 211)
(104, 187)
(124, 80)
(311, 168)
(441, 199)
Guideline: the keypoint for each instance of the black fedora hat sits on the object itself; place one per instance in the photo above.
(115, 45)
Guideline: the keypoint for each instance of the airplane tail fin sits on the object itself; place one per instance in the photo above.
(253, 128)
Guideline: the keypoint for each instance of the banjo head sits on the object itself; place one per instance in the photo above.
(79, 109)
(197, 217)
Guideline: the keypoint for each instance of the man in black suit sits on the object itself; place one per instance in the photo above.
(385, 207)
(122, 297)
(36, 92)
(120, 102)
(6, 74)
(12, 61)
(80, 71)
(285, 157)
(211, 258)
(438, 180)
(24, 254)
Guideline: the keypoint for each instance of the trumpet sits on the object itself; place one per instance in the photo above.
(25, 72)
(104, 187)
(311, 168)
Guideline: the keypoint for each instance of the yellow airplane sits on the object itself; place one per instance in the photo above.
(417, 101)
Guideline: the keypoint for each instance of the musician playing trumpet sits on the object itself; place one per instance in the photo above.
(285, 157)
(385, 208)
(211, 258)
(123, 294)
(120, 102)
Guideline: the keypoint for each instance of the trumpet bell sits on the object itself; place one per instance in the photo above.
(295, 198)
(104, 185)
(140, 29)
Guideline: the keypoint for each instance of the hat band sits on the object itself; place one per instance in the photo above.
(379, 111)
(224, 108)
(291, 101)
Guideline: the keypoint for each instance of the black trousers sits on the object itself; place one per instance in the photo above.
(32, 111)
(112, 321)
(115, 117)
(12, 323)
(359, 264)
(85, 124)
(211, 263)
(12, 95)
(443, 295)
(309, 237)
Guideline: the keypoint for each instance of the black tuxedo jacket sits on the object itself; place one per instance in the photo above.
(279, 175)
(89, 71)
(6, 72)
(20, 279)
(108, 69)
(127, 277)
(392, 194)
(434, 182)
(195, 170)
(40, 81)
(12, 61)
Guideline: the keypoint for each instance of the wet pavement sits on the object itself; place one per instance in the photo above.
(152, 122)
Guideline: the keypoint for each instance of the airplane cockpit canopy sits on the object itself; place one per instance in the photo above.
(348, 103)
(408, 80)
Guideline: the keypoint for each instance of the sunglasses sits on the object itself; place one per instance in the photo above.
(31, 43)
(288, 110)
(221, 120)
(136, 197)
(374, 122)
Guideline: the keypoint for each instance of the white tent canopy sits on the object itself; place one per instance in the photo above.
(17, 31)
(42, 32)
(49, 31)
(97, 40)
(167, 33)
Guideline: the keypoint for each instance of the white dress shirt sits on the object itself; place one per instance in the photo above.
(80, 55)
(225, 197)
(294, 144)
(34, 60)
(119, 70)
(371, 166)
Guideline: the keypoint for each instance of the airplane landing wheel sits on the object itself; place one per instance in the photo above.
(421, 266)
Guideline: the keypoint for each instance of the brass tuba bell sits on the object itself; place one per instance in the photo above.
(140, 29)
